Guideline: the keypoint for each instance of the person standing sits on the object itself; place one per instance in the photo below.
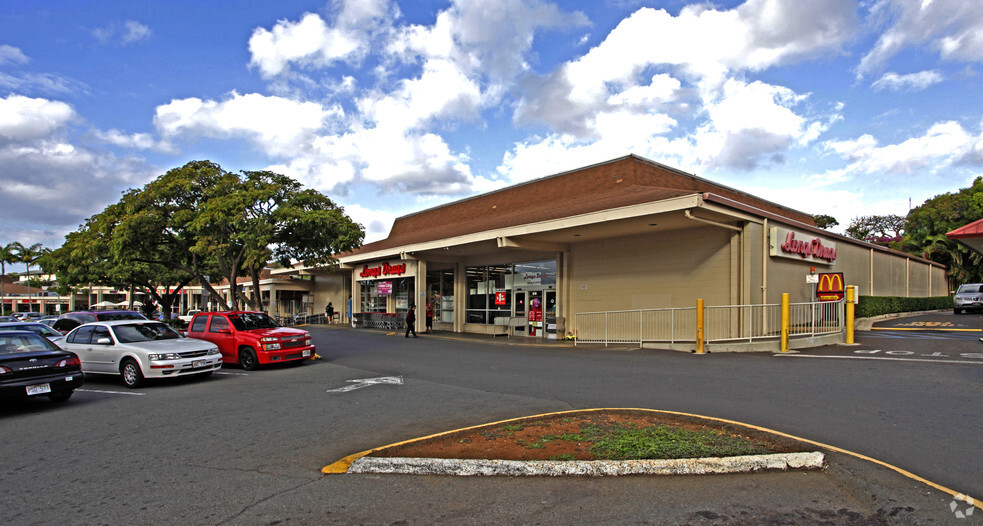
(429, 318)
(411, 321)
(329, 312)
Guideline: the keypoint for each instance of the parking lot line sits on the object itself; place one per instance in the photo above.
(111, 392)
(878, 358)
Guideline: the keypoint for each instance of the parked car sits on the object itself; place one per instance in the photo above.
(7, 319)
(30, 366)
(187, 317)
(39, 328)
(140, 349)
(968, 297)
(48, 320)
(70, 320)
(28, 316)
(251, 339)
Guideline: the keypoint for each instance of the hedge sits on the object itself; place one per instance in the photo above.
(870, 306)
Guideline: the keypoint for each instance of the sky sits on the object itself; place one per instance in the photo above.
(389, 107)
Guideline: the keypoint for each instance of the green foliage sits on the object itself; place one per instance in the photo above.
(615, 442)
(825, 221)
(926, 226)
(201, 223)
(870, 306)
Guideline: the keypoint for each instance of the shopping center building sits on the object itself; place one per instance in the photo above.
(573, 253)
(629, 234)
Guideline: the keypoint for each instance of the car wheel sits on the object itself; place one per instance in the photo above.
(61, 396)
(247, 359)
(132, 376)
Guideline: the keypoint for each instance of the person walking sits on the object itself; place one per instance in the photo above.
(411, 321)
(429, 318)
(329, 312)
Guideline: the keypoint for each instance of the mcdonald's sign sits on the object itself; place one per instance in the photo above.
(830, 287)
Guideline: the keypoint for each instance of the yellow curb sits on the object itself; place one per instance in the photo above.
(341, 466)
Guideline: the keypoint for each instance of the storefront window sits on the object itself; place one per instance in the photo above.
(489, 294)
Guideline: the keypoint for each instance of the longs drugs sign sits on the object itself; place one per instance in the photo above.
(805, 247)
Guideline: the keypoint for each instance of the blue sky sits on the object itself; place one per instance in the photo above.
(389, 107)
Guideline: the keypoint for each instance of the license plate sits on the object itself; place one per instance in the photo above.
(38, 389)
(306, 354)
(198, 363)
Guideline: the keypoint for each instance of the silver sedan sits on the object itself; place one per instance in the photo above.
(140, 349)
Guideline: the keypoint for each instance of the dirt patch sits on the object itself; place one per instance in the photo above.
(586, 435)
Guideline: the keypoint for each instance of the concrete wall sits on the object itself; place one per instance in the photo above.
(670, 269)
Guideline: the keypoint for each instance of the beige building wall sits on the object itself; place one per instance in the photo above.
(333, 287)
(671, 269)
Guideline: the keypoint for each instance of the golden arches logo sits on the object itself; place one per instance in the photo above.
(830, 287)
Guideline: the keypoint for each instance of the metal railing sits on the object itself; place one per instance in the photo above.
(722, 324)
(637, 326)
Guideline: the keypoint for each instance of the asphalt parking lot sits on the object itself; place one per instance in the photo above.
(248, 447)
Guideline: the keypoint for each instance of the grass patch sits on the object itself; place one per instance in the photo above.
(616, 442)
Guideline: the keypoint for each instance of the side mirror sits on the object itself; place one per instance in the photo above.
(104, 341)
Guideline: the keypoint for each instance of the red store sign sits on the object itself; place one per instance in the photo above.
(801, 248)
(383, 270)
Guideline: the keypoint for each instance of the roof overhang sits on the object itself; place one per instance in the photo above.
(557, 235)
(970, 235)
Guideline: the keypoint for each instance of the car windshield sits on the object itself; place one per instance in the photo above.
(144, 332)
(253, 320)
(966, 289)
(21, 342)
(38, 328)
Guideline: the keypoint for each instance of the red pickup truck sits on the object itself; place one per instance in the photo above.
(251, 339)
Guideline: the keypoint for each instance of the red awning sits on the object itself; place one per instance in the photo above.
(970, 235)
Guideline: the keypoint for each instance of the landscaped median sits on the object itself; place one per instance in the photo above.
(598, 442)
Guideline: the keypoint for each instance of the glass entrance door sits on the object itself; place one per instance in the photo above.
(520, 312)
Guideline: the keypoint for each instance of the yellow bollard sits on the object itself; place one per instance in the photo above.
(699, 326)
(785, 321)
(851, 295)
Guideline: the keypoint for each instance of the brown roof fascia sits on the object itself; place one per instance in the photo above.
(810, 228)
(616, 183)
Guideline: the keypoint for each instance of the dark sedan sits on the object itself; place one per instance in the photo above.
(32, 366)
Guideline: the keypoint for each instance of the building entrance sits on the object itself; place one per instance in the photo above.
(535, 310)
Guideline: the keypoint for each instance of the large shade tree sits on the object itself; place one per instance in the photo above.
(208, 224)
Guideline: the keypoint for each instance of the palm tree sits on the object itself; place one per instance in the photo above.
(8, 254)
(28, 255)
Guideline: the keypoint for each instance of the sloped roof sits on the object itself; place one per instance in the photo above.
(626, 181)
(970, 235)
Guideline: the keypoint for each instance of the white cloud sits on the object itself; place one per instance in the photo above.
(12, 55)
(950, 27)
(377, 223)
(134, 31)
(312, 43)
(130, 33)
(912, 81)
(24, 118)
(280, 126)
(942, 145)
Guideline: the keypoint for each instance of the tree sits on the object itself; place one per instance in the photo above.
(29, 255)
(8, 254)
(90, 256)
(203, 222)
(927, 225)
(886, 230)
(824, 221)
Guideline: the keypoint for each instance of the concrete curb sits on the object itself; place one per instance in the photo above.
(593, 468)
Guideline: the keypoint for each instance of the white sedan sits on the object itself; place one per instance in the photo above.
(139, 349)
